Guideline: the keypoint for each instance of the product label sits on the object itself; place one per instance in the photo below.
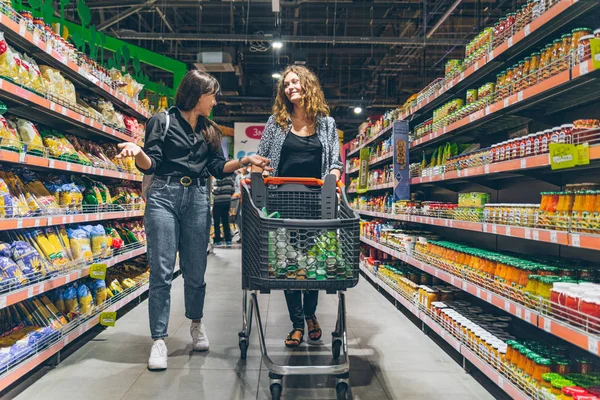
(98, 271)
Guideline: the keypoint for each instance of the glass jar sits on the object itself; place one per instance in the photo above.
(546, 61)
(518, 76)
(576, 34)
(584, 51)
(534, 64)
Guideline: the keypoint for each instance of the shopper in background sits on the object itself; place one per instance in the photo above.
(301, 140)
(222, 192)
(182, 148)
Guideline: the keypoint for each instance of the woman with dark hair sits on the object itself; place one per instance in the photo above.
(301, 140)
(182, 148)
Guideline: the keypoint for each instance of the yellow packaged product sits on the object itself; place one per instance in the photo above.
(64, 238)
(10, 138)
(85, 298)
(7, 60)
(81, 247)
(30, 135)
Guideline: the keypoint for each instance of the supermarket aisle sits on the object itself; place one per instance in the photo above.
(390, 357)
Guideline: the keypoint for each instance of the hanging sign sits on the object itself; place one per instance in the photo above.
(401, 161)
(98, 271)
(564, 155)
(363, 170)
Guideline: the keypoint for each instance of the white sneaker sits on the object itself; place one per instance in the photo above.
(158, 356)
(199, 338)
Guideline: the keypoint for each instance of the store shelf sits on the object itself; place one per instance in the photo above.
(17, 35)
(374, 139)
(36, 288)
(52, 113)
(386, 158)
(65, 338)
(569, 333)
(580, 240)
(35, 222)
(566, 85)
(504, 167)
(44, 162)
(562, 14)
(383, 186)
(513, 391)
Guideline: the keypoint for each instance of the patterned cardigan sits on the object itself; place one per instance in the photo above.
(273, 137)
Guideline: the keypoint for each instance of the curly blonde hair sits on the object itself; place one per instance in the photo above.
(313, 99)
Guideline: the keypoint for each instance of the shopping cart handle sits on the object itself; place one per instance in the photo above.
(302, 181)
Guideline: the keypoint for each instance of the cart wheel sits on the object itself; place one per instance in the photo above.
(275, 391)
(243, 348)
(341, 391)
(336, 347)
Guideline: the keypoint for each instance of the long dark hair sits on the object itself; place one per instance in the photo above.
(193, 85)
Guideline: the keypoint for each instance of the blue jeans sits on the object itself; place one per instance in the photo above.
(177, 218)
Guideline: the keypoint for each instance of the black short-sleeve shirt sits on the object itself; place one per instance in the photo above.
(301, 156)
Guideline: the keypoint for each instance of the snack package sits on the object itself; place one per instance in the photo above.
(6, 201)
(81, 247)
(85, 298)
(54, 310)
(11, 271)
(98, 289)
(7, 60)
(31, 136)
(10, 138)
(35, 76)
(59, 300)
(70, 197)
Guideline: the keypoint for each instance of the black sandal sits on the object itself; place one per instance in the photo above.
(316, 328)
(295, 342)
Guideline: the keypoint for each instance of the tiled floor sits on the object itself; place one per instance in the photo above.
(390, 357)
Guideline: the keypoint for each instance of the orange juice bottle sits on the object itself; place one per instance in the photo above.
(543, 210)
(595, 228)
(577, 211)
(560, 208)
(587, 214)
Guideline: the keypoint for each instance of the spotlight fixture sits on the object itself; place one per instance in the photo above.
(358, 110)
(276, 75)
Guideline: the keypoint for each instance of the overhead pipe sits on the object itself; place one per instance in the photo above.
(443, 19)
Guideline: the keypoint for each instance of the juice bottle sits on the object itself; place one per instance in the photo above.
(577, 211)
(588, 211)
(595, 228)
(554, 219)
(543, 210)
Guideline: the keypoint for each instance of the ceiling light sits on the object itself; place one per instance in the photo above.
(276, 75)
(358, 110)
(277, 42)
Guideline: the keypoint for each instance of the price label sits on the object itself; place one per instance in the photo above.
(506, 102)
(464, 286)
(593, 345)
(478, 291)
(583, 68)
(471, 117)
(527, 30)
(547, 325)
(36, 39)
(98, 271)
(23, 154)
(491, 55)
(507, 305)
(520, 96)
(536, 234)
(437, 273)
(485, 228)
(575, 240)
(466, 172)
(527, 233)
(476, 65)
(494, 230)
(452, 281)
(444, 130)
(508, 232)
(22, 27)
(489, 297)
(446, 222)
(486, 169)
(19, 223)
(500, 381)
(519, 312)
(462, 76)
(108, 318)
(510, 42)
(554, 237)
(49, 48)
(488, 110)
(527, 315)
(2, 302)
(523, 163)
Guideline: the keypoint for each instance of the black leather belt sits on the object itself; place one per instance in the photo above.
(183, 180)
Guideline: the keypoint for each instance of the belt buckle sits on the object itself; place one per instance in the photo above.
(186, 181)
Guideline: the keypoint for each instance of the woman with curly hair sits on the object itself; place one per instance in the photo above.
(301, 140)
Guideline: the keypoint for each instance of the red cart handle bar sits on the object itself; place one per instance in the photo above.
(302, 181)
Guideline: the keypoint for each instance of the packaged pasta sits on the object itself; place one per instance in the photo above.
(28, 259)
(35, 76)
(59, 147)
(81, 247)
(7, 60)
(85, 298)
(10, 138)
(98, 289)
(6, 201)
(70, 197)
(59, 300)
(11, 271)
(54, 310)
(71, 303)
(99, 242)
(64, 239)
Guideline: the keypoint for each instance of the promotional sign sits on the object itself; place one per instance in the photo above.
(363, 170)
(401, 161)
(98, 271)
(564, 155)
(108, 318)
(246, 137)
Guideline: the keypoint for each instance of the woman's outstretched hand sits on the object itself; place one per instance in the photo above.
(129, 150)
(259, 162)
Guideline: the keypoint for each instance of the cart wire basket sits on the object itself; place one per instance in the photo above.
(298, 236)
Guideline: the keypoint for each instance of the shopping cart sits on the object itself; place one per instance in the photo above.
(297, 237)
